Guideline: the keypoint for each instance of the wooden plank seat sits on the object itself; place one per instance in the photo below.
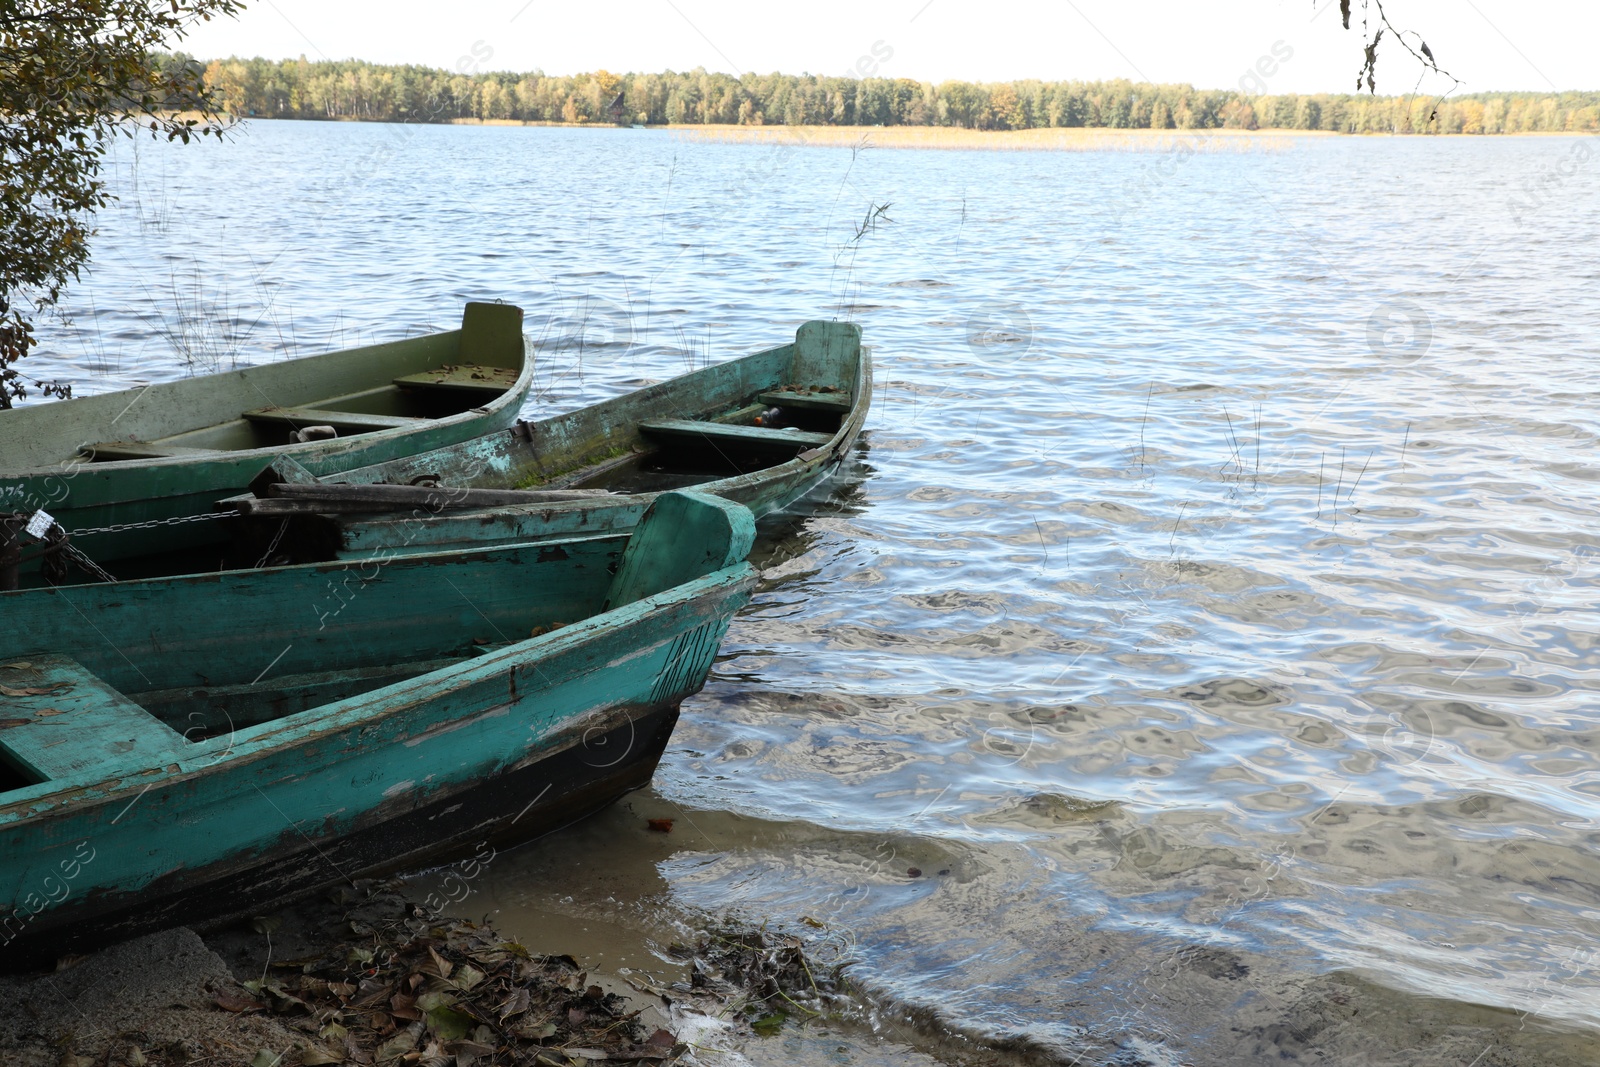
(359, 421)
(719, 433)
(462, 377)
(209, 710)
(784, 398)
(78, 728)
(115, 450)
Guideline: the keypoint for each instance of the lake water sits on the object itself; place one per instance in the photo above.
(1200, 662)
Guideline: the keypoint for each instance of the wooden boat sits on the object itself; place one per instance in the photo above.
(762, 430)
(169, 451)
(197, 748)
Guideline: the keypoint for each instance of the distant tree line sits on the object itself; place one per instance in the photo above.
(352, 89)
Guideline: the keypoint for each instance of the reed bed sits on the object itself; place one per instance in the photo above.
(1074, 139)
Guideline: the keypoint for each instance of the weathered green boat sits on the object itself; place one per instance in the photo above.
(763, 430)
(184, 750)
(169, 451)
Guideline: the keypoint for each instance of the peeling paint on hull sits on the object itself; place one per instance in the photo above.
(545, 795)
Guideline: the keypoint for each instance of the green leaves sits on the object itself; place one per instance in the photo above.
(74, 74)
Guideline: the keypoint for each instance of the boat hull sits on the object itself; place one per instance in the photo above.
(575, 777)
(82, 492)
(566, 450)
(195, 748)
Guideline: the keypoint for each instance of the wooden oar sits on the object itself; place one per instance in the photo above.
(287, 499)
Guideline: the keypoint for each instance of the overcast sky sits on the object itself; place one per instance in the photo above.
(1488, 44)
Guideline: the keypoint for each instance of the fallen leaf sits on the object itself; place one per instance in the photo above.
(449, 1024)
(18, 666)
(468, 1048)
(377, 993)
(438, 998)
(295, 964)
(33, 690)
(267, 1058)
(585, 1054)
(518, 1002)
(399, 1044)
(661, 826)
(314, 1056)
(229, 1002)
(645, 1053)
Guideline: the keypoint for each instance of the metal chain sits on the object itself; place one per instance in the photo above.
(85, 562)
(273, 547)
(58, 539)
(176, 520)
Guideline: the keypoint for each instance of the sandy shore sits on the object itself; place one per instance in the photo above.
(234, 997)
(260, 995)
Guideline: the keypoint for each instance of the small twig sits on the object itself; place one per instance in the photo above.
(1338, 485)
(1234, 437)
(869, 224)
(268, 964)
(1322, 463)
(1422, 53)
(1257, 476)
(1364, 467)
(1148, 394)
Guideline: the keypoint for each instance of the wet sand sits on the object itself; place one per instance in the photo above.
(614, 893)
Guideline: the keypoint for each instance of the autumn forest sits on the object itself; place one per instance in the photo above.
(356, 90)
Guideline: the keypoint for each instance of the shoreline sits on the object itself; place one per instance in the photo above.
(1045, 138)
(366, 974)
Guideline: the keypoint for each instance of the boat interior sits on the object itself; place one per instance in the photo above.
(272, 646)
(436, 393)
(679, 453)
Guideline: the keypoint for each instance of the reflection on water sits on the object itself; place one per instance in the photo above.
(1209, 621)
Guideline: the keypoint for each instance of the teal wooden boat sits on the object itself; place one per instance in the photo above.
(170, 451)
(183, 750)
(762, 430)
